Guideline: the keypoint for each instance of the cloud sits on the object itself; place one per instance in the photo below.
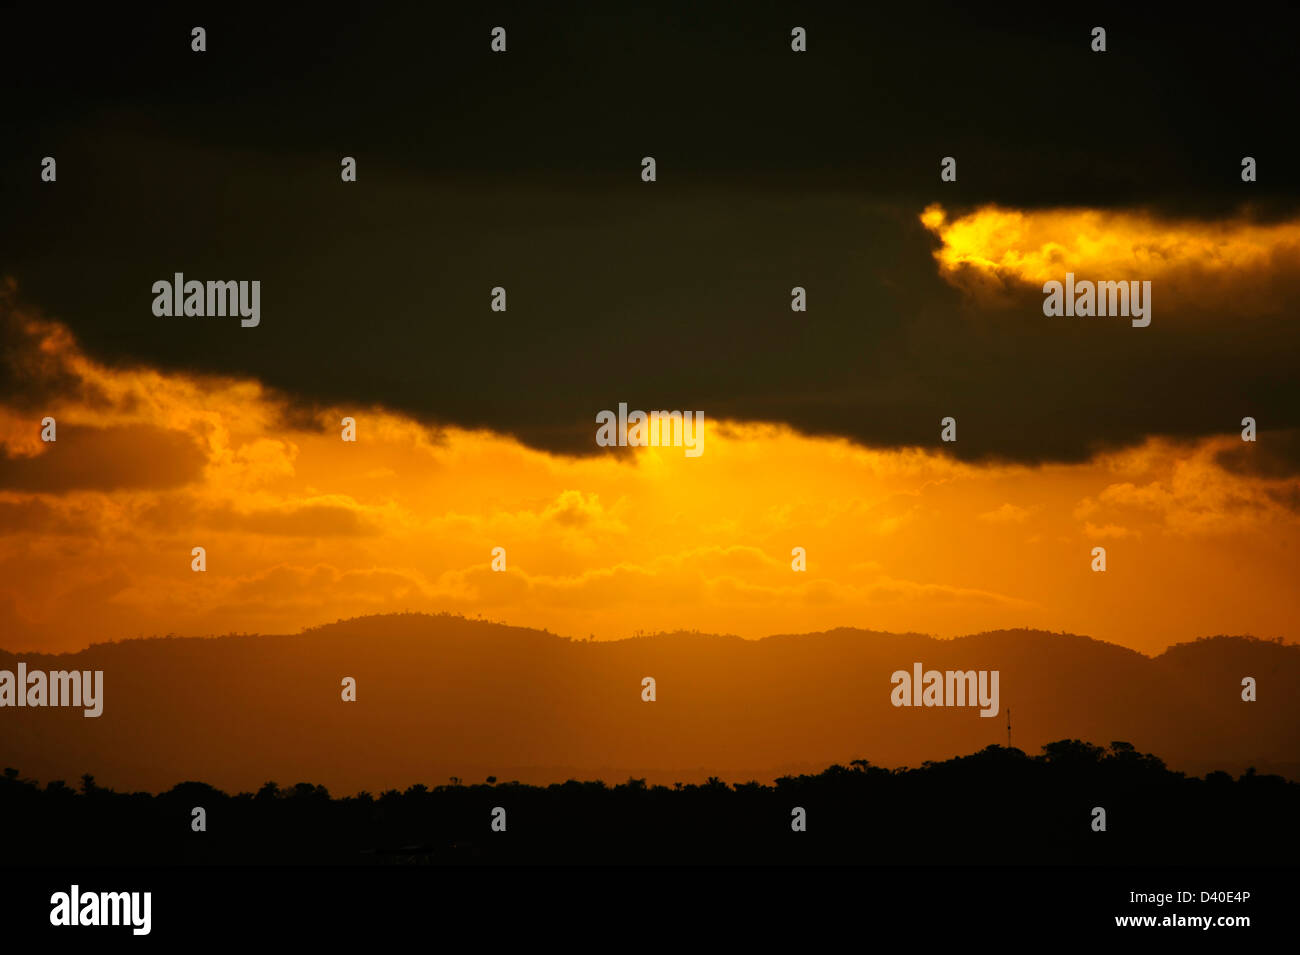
(1006, 514)
(33, 365)
(1190, 491)
(1274, 454)
(105, 459)
(1204, 264)
(1102, 532)
(310, 518)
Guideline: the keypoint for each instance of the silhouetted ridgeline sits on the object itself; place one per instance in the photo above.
(998, 805)
(443, 696)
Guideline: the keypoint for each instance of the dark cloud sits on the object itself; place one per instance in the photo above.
(165, 512)
(105, 459)
(1273, 454)
(29, 517)
(521, 170)
(32, 369)
(310, 520)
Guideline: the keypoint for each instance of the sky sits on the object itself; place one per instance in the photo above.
(476, 429)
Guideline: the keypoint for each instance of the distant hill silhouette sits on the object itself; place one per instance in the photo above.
(443, 696)
(995, 806)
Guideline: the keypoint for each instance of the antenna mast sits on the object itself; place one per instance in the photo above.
(1008, 727)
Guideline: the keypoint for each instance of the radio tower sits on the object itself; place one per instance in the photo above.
(1008, 727)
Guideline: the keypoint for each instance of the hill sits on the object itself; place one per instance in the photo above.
(443, 696)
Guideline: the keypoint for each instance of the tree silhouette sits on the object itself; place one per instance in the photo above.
(997, 805)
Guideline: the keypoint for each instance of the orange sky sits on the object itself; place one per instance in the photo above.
(302, 528)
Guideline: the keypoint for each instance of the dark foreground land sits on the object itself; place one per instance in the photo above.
(995, 806)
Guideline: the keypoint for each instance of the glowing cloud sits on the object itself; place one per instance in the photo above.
(994, 248)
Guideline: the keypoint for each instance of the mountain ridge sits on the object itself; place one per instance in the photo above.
(443, 695)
